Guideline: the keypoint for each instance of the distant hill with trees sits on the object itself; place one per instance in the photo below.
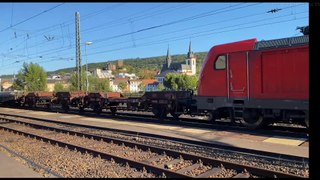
(139, 66)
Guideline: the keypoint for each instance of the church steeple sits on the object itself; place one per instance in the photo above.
(190, 53)
(168, 59)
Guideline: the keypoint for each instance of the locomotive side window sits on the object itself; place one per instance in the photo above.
(220, 63)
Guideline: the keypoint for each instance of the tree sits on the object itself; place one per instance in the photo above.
(161, 87)
(96, 84)
(191, 82)
(170, 81)
(176, 82)
(122, 86)
(31, 77)
(58, 87)
(146, 74)
(74, 82)
(142, 87)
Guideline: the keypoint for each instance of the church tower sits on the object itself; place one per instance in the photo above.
(191, 61)
(168, 59)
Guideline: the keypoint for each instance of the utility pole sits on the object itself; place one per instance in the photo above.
(78, 52)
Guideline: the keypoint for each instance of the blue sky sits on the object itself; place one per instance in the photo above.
(130, 30)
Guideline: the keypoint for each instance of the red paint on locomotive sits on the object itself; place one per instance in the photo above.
(275, 73)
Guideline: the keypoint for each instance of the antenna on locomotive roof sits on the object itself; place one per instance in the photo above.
(304, 30)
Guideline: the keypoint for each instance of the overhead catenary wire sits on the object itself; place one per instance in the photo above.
(187, 29)
(201, 15)
(68, 22)
(202, 32)
(34, 16)
(154, 43)
(85, 17)
(183, 38)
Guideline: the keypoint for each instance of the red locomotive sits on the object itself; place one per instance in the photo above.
(257, 82)
(254, 83)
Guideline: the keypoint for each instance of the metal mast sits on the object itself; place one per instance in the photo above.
(78, 52)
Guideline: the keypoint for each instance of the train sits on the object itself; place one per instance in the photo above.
(250, 82)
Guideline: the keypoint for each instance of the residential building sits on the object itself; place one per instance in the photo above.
(114, 84)
(134, 85)
(102, 73)
(150, 84)
(51, 83)
(6, 85)
(127, 75)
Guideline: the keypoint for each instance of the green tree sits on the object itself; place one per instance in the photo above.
(74, 82)
(142, 87)
(191, 82)
(96, 84)
(180, 81)
(58, 87)
(146, 74)
(170, 81)
(122, 86)
(31, 77)
(161, 87)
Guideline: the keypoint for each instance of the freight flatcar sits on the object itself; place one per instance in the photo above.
(9, 97)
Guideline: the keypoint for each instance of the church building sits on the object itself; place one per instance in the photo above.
(188, 67)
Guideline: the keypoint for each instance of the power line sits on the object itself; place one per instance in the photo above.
(228, 20)
(175, 22)
(182, 20)
(68, 22)
(32, 17)
(188, 36)
(171, 39)
(182, 38)
(196, 34)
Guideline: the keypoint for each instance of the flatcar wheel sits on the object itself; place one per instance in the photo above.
(31, 105)
(97, 109)
(159, 113)
(163, 113)
(156, 112)
(252, 119)
(65, 107)
(175, 115)
(49, 107)
(113, 110)
(81, 109)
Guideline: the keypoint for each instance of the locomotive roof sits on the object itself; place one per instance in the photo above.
(283, 42)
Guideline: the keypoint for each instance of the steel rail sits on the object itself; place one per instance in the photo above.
(187, 122)
(103, 155)
(205, 160)
(257, 153)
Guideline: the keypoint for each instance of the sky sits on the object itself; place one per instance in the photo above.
(44, 33)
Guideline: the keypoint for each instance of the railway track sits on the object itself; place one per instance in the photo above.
(278, 130)
(296, 132)
(163, 162)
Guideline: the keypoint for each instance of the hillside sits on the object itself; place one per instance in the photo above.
(136, 65)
